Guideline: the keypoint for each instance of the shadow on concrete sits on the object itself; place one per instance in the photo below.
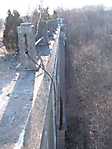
(17, 109)
(44, 51)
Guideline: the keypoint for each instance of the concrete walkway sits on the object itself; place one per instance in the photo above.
(18, 89)
(15, 103)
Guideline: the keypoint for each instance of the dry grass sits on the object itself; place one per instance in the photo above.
(89, 93)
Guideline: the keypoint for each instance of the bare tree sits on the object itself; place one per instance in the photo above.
(90, 93)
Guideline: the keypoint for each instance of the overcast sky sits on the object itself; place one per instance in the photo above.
(26, 6)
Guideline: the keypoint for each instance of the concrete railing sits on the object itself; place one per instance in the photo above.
(46, 120)
(54, 130)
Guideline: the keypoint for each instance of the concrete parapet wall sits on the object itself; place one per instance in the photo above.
(28, 30)
(46, 124)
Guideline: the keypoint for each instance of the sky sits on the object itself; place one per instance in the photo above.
(26, 6)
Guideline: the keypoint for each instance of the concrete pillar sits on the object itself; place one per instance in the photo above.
(28, 30)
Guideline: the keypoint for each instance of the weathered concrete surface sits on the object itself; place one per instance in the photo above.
(23, 119)
(40, 131)
(61, 121)
(16, 94)
(26, 29)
